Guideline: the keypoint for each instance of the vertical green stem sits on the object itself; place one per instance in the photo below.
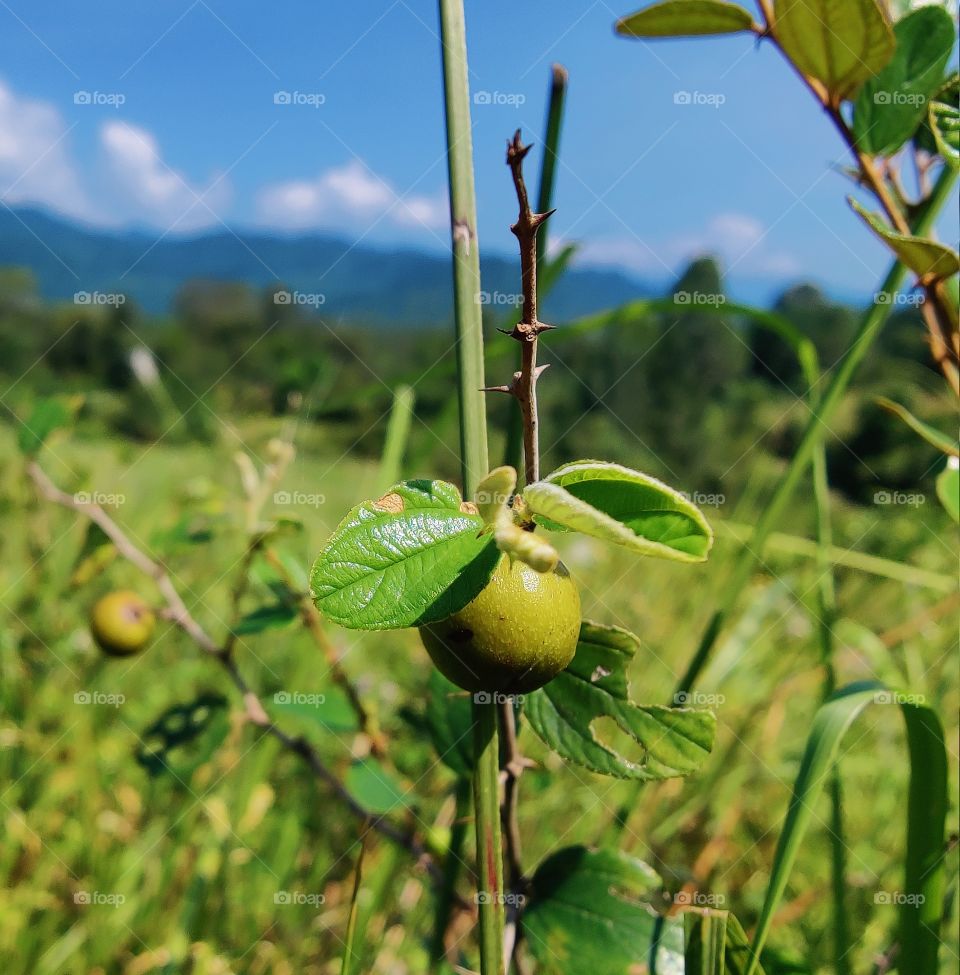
(466, 251)
(486, 804)
(869, 329)
(827, 615)
(473, 453)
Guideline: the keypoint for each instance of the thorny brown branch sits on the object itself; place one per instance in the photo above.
(524, 388)
(528, 329)
(176, 611)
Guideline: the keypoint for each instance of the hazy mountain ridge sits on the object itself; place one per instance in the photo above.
(358, 281)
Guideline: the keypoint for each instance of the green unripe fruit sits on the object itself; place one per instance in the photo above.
(519, 633)
(121, 623)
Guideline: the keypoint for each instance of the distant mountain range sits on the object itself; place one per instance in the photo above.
(358, 281)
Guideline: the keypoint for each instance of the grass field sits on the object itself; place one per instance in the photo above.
(240, 862)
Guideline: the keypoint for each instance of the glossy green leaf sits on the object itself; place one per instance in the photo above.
(686, 18)
(450, 722)
(374, 787)
(948, 488)
(266, 618)
(923, 890)
(672, 741)
(931, 434)
(47, 416)
(922, 255)
(590, 913)
(621, 506)
(892, 104)
(840, 43)
(413, 556)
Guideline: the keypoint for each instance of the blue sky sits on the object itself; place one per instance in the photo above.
(182, 104)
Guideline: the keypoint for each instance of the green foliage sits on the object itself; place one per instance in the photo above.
(275, 616)
(922, 255)
(922, 896)
(686, 18)
(891, 105)
(320, 711)
(47, 416)
(948, 488)
(841, 43)
(375, 787)
(931, 434)
(621, 506)
(184, 737)
(673, 741)
(412, 557)
(714, 943)
(590, 914)
(450, 723)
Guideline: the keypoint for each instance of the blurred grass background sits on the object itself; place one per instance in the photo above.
(244, 864)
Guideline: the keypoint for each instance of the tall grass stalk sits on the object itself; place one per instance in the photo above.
(817, 428)
(473, 453)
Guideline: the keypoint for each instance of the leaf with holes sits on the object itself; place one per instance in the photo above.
(621, 506)
(840, 43)
(923, 256)
(672, 741)
(686, 18)
(414, 556)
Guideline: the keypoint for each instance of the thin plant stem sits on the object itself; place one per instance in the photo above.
(486, 802)
(466, 251)
(473, 453)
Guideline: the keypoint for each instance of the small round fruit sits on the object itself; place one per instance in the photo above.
(121, 623)
(519, 633)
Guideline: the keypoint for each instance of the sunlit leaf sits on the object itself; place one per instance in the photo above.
(414, 556)
(923, 256)
(621, 506)
(840, 43)
(686, 18)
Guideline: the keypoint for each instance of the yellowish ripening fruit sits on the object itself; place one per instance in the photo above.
(519, 633)
(121, 623)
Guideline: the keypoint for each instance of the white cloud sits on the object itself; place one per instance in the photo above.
(149, 189)
(738, 239)
(341, 196)
(35, 167)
